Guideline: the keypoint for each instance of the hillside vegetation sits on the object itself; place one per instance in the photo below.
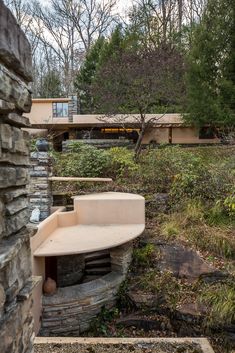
(190, 209)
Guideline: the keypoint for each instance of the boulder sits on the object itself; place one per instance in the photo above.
(184, 262)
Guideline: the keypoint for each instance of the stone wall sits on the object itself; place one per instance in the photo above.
(16, 324)
(40, 193)
(71, 310)
(70, 269)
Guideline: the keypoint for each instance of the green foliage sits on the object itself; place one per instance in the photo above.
(144, 255)
(124, 302)
(211, 67)
(122, 163)
(207, 228)
(164, 285)
(51, 85)
(83, 161)
(220, 299)
(32, 145)
(170, 229)
(88, 161)
(181, 172)
(217, 215)
(100, 326)
(229, 203)
(86, 75)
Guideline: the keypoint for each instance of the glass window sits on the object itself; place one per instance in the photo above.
(60, 110)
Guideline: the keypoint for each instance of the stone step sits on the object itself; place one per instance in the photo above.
(98, 271)
(89, 278)
(97, 256)
(98, 263)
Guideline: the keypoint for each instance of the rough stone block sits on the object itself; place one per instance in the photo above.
(7, 177)
(14, 90)
(15, 158)
(12, 118)
(14, 47)
(20, 143)
(12, 194)
(16, 205)
(5, 108)
(6, 136)
(16, 222)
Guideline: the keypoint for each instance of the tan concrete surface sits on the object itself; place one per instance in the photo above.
(80, 179)
(98, 222)
(81, 239)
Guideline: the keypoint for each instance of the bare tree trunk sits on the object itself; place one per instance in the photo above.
(140, 138)
(180, 14)
(164, 21)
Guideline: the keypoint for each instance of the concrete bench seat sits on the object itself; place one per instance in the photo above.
(80, 239)
(98, 222)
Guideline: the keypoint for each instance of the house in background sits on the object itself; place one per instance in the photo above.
(59, 118)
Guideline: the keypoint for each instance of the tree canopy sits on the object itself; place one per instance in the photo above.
(211, 67)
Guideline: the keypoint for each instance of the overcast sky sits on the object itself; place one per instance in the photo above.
(121, 4)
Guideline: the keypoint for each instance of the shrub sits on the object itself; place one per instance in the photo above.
(229, 203)
(144, 255)
(122, 164)
(87, 161)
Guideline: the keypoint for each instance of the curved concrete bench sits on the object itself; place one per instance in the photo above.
(98, 222)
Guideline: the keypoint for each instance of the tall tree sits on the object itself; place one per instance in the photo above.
(98, 55)
(135, 82)
(51, 85)
(211, 70)
(86, 76)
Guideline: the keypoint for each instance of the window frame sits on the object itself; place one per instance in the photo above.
(55, 110)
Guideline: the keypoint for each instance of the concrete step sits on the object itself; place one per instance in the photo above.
(96, 256)
(89, 278)
(98, 263)
(98, 271)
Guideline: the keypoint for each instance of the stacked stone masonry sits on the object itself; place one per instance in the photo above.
(71, 310)
(40, 194)
(16, 323)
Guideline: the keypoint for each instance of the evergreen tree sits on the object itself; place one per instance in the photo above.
(211, 70)
(99, 54)
(51, 85)
(86, 76)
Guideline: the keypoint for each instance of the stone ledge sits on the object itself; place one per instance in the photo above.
(13, 118)
(14, 90)
(43, 341)
(25, 292)
(10, 247)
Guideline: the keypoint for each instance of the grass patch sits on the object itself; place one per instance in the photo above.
(220, 299)
(208, 230)
(144, 256)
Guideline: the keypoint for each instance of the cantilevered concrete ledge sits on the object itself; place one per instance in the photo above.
(78, 179)
(98, 222)
(80, 239)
